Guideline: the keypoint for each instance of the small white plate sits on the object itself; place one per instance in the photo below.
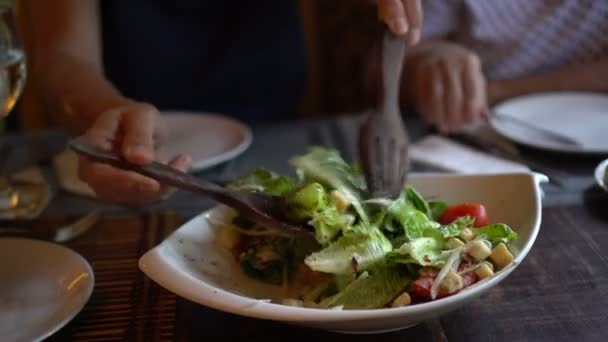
(210, 139)
(601, 175)
(577, 115)
(42, 287)
(195, 262)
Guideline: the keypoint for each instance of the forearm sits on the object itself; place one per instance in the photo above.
(591, 77)
(64, 56)
(73, 92)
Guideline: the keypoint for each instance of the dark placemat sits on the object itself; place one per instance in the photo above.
(125, 305)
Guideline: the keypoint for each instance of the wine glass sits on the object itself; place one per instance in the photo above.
(12, 79)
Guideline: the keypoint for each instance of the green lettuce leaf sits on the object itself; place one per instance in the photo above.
(311, 204)
(263, 180)
(453, 229)
(306, 202)
(412, 221)
(357, 249)
(418, 201)
(342, 280)
(437, 209)
(425, 251)
(328, 223)
(372, 289)
(497, 233)
(327, 167)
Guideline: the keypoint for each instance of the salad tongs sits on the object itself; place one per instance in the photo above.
(383, 139)
(263, 209)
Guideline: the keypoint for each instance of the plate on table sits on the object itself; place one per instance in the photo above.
(195, 261)
(43, 287)
(210, 139)
(582, 117)
(601, 175)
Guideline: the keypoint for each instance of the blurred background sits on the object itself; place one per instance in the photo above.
(338, 37)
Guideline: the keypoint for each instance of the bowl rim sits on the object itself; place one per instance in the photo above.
(598, 174)
(196, 290)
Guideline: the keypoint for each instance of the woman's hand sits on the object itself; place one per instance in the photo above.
(446, 84)
(134, 131)
(403, 17)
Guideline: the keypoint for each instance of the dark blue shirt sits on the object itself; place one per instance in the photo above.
(240, 58)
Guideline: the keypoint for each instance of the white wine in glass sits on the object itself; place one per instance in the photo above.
(12, 60)
(12, 78)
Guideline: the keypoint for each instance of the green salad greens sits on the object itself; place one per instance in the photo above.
(364, 253)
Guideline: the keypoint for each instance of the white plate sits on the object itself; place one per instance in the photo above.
(581, 116)
(601, 175)
(43, 286)
(210, 139)
(194, 261)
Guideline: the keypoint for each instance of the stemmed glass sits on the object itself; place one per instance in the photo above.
(12, 79)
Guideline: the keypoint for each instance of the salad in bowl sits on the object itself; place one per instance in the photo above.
(363, 252)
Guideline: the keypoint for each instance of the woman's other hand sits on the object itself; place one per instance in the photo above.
(445, 82)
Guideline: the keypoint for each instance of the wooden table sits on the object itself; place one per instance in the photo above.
(559, 292)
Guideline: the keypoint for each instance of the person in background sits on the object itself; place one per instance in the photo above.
(106, 68)
(476, 53)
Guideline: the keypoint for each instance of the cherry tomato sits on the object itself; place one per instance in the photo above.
(421, 287)
(474, 210)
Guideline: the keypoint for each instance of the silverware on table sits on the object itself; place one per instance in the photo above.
(535, 130)
(383, 139)
(61, 234)
(264, 209)
(77, 228)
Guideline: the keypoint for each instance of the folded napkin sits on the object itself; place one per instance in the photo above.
(445, 154)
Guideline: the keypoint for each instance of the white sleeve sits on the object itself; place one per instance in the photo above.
(440, 17)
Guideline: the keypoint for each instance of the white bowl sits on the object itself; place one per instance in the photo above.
(195, 264)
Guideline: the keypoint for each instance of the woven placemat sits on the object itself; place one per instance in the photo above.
(125, 304)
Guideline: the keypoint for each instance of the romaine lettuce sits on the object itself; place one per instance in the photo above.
(306, 202)
(497, 233)
(426, 250)
(263, 180)
(327, 167)
(357, 249)
(453, 229)
(372, 289)
(412, 221)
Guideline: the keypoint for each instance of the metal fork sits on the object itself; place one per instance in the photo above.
(383, 139)
(60, 235)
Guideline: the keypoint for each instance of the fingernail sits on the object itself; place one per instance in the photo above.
(399, 26)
